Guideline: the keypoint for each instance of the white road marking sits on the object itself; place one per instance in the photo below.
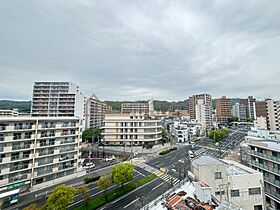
(158, 186)
(131, 203)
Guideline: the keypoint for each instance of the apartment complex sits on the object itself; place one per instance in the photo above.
(9, 112)
(147, 108)
(131, 129)
(239, 110)
(273, 114)
(261, 109)
(223, 110)
(95, 112)
(231, 181)
(180, 132)
(263, 154)
(200, 108)
(57, 99)
(36, 152)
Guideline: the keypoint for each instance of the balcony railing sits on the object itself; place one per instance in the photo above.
(19, 147)
(17, 178)
(18, 167)
(272, 193)
(2, 128)
(270, 157)
(65, 166)
(264, 166)
(273, 181)
(46, 171)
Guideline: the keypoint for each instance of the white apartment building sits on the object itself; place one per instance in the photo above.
(9, 112)
(231, 181)
(131, 129)
(263, 154)
(200, 108)
(264, 134)
(36, 152)
(95, 112)
(180, 132)
(273, 114)
(58, 99)
(240, 111)
(260, 122)
(147, 108)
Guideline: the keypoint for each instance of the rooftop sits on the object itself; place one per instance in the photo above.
(267, 143)
(206, 160)
(26, 118)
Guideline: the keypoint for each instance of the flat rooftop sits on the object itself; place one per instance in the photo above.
(270, 144)
(206, 160)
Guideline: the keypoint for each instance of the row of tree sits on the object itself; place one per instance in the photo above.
(218, 135)
(63, 195)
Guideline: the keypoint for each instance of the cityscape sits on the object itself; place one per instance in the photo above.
(135, 106)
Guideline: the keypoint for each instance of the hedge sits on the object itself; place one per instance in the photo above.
(91, 179)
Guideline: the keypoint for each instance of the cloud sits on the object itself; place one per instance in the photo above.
(129, 50)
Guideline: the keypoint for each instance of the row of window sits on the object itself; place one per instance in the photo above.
(236, 193)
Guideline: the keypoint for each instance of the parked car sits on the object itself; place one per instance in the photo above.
(107, 159)
(191, 154)
(89, 165)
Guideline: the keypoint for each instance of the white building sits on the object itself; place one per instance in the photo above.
(260, 122)
(9, 112)
(264, 134)
(240, 111)
(273, 114)
(231, 181)
(180, 132)
(131, 129)
(132, 107)
(262, 153)
(58, 99)
(95, 112)
(36, 152)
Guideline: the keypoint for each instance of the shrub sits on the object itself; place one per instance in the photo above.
(91, 179)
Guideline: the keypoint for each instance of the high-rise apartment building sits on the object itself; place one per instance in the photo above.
(95, 112)
(263, 154)
(223, 110)
(239, 110)
(200, 108)
(261, 109)
(251, 107)
(57, 99)
(273, 114)
(131, 129)
(36, 152)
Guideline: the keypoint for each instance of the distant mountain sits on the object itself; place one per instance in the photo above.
(158, 105)
(22, 106)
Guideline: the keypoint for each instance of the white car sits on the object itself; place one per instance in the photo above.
(110, 158)
(89, 165)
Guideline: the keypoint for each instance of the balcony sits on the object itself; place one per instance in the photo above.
(62, 167)
(274, 194)
(22, 127)
(21, 147)
(17, 178)
(45, 171)
(2, 128)
(18, 167)
(269, 157)
(265, 167)
(45, 153)
(272, 181)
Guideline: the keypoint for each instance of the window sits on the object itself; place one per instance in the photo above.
(255, 191)
(222, 192)
(234, 193)
(218, 175)
(17, 136)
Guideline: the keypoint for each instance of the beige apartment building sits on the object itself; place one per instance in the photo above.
(231, 181)
(147, 108)
(36, 152)
(273, 114)
(131, 129)
(95, 112)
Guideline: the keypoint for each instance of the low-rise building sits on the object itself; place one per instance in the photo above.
(180, 132)
(36, 152)
(260, 122)
(131, 129)
(9, 112)
(231, 181)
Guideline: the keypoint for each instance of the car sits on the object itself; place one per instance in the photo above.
(108, 159)
(89, 165)
(191, 154)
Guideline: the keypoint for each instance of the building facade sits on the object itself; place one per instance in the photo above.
(223, 110)
(180, 132)
(95, 112)
(38, 151)
(231, 181)
(273, 114)
(57, 99)
(239, 110)
(200, 108)
(147, 108)
(11, 112)
(261, 109)
(131, 129)
(264, 155)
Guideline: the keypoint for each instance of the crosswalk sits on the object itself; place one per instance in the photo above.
(168, 178)
(149, 168)
(200, 151)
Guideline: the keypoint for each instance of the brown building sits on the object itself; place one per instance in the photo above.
(223, 110)
(261, 109)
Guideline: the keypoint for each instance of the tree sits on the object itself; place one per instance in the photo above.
(32, 206)
(103, 183)
(122, 173)
(250, 120)
(233, 119)
(92, 134)
(86, 197)
(61, 197)
(218, 135)
(164, 135)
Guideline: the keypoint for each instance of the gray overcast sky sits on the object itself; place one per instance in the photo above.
(129, 49)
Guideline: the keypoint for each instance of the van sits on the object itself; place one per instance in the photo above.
(191, 155)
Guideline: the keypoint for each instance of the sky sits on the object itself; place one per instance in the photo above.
(140, 49)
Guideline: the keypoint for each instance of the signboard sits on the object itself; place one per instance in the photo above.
(14, 185)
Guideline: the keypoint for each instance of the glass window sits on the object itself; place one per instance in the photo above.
(255, 191)
(234, 193)
(218, 175)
